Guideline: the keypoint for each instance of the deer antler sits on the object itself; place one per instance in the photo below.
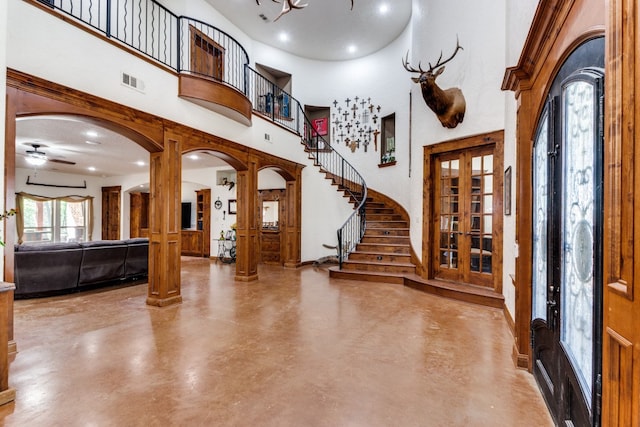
(288, 5)
(440, 64)
(405, 63)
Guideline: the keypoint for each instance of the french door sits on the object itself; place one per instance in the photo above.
(463, 216)
(567, 234)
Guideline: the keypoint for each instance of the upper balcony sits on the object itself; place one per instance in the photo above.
(212, 67)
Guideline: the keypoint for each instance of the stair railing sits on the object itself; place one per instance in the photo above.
(348, 180)
(274, 103)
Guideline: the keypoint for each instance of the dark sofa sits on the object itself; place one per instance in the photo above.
(66, 267)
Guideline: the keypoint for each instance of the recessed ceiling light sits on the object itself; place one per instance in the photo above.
(92, 133)
(91, 168)
(140, 163)
(383, 9)
(284, 37)
(193, 156)
(352, 49)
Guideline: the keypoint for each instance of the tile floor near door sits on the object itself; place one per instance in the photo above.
(294, 348)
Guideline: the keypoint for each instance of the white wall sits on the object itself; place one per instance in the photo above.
(477, 70)
(379, 76)
(518, 20)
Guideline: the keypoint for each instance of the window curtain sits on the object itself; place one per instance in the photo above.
(69, 199)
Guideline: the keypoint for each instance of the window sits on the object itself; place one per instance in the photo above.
(62, 219)
(388, 143)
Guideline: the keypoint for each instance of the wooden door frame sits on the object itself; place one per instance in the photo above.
(280, 195)
(558, 27)
(106, 212)
(431, 152)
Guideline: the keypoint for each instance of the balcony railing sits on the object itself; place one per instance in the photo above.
(188, 45)
(151, 29)
(273, 102)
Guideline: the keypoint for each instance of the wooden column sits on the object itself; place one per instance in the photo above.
(7, 394)
(524, 232)
(247, 223)
(164, 224)
(293, 226)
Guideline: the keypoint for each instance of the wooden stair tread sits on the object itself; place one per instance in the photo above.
(379, 263)
(380, 253)
(390, 229)
(396, 245)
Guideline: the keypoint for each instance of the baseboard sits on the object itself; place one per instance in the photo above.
(12, 347)
(510, 322)
(520, 360)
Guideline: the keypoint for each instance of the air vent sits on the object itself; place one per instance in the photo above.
(267, 137)
(132, 82)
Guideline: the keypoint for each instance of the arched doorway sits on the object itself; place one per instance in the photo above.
(166, 141)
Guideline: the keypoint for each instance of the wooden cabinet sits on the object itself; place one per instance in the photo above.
(203, 219)
(270, 247)
(192, 243)
(198, 242)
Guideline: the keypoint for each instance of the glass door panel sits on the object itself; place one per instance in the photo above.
(449, 213)
(540, 213)
(578, 228)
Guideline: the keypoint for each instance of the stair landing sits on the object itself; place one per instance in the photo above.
(384, 255)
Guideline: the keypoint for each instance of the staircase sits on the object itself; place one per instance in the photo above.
(384, 254)
(379, 249)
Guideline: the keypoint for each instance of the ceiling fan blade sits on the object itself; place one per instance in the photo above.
(64, 162)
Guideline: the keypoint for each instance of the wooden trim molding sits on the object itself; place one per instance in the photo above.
(216, 96)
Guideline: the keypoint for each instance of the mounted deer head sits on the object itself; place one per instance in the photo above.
(448, 104)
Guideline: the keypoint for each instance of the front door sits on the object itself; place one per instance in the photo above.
(567, 235)
(464, 220)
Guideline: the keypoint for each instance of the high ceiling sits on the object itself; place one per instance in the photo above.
(323, 30)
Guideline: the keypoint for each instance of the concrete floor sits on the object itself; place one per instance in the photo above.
(292, 349)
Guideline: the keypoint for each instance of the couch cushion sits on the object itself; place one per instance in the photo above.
(38, 270)
(39, 247)
(137, 241)
(102, 243)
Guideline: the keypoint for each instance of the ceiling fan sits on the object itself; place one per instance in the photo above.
(36, 157)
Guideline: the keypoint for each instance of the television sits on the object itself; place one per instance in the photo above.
(185, 219)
